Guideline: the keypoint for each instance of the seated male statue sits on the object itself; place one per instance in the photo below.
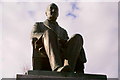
(52, 46)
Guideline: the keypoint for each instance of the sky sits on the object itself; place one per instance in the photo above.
(97, 22)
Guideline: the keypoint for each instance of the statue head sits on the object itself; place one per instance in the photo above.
(52, 12)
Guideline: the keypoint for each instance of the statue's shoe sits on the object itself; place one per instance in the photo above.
(66, 68)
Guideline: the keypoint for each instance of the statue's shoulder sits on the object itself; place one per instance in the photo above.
(62, 29)
(37, 24)
(40, 27)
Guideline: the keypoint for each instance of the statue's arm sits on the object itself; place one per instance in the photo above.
(33, 42)
(36, 36)
(64, 38)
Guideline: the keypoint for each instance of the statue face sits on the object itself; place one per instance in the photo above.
(52, 12)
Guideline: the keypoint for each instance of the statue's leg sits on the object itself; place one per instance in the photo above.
(51, 45)
(73, 48)
(79, 68)
(80, 62)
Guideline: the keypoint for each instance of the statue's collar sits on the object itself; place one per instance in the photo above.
(48, 22)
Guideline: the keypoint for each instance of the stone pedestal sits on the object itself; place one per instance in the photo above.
(49, 75)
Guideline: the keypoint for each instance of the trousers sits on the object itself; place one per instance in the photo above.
(71, 50)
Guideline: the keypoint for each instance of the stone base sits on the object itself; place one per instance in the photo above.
(49, 75)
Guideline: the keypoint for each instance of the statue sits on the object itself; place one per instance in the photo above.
(52, 46)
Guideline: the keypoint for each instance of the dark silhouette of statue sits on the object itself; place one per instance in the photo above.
(53, 50)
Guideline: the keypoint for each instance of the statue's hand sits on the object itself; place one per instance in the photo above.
(38, 44)
(34, 40)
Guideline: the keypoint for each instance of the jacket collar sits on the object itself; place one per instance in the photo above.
(48, 22)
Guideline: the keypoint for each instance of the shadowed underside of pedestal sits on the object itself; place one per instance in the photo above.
(49, 75)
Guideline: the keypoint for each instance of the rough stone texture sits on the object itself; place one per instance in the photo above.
(48, 75)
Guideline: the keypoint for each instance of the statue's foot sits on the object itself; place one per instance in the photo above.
(66, 68)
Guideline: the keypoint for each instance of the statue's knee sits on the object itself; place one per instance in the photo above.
(78, 36)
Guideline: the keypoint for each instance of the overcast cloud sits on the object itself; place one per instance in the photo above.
(97, 22)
